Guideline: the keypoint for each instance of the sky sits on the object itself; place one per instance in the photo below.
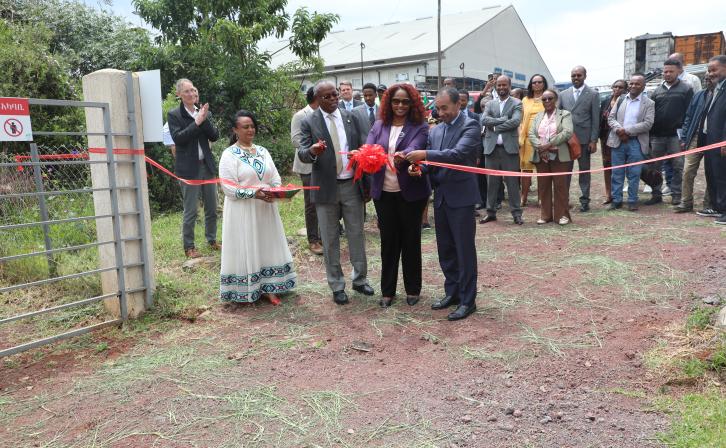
(567, 33)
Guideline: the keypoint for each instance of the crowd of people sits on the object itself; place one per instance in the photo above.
(538, 130)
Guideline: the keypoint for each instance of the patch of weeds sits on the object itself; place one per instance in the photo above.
(552, 345)
(327, 406)
(176, 360)
(601, 270)
(700, 421)
(400, 319)
(700, 318)
(693, 368)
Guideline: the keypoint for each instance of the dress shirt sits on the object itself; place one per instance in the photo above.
(390, 179)
(342, 141)
(348, 105)
(194, 115)
(632, 107)
(577, 92)
(166, 135)
(502, 103)
(447, 126)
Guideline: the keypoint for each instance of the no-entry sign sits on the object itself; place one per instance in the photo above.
(15, 120)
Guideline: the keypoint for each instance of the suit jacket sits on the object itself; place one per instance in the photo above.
(505, 124)
(694, 116)
(640, 129)
(188, 137)
(716, 130)
(356, 103)
(585, 113)
(295, 134)
(564, 132)
(325, 171)
(473, 115)
(412, 136)
(360, 113)
(460, 146)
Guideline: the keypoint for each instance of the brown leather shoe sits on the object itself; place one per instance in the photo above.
(215, 245)
(316, 248)
(192, 253)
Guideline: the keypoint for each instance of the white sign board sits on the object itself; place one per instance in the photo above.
(150, 92)
(15, 120)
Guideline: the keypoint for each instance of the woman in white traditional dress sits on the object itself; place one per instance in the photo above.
(256, 261)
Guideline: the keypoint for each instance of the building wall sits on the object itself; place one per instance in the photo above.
(645, 55)
(502, 43)
(383, 75)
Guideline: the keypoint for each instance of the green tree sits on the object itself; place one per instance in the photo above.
(215, 44)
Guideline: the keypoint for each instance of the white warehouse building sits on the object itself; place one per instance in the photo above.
(490, 40)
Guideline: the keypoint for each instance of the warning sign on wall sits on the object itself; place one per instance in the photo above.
(15, 120)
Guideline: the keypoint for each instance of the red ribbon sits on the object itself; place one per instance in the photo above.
(475, 170)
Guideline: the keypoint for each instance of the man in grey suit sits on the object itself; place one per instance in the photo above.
(501, 118)
(455, 140)
(584, 105)
(338, 194)
(367, 113)
(304, 169)
(630, 122)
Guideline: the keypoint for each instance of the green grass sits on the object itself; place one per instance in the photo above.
(700, 421)
(700, 318)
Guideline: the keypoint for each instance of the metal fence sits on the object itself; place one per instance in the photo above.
(50, 276)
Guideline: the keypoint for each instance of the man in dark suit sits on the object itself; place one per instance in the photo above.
(338, 194)
(192, 130)
(457, 140)
(367, 113)
(584, 105)
(347, 102)
(501, 118)
(464, 104)
(714, 128)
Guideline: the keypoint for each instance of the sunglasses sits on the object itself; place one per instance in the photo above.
(399, 102)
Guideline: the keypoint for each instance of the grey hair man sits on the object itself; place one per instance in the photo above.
(689, 78)
(191, 130)
(326, 138)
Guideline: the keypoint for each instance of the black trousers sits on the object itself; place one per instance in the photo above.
(400, 228)
(715, 165)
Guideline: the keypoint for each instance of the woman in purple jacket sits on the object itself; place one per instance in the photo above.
(400, 198)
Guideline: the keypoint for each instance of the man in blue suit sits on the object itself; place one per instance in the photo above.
(456, 140)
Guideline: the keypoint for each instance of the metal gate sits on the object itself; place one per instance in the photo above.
(49, 248)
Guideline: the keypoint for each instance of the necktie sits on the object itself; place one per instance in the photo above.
(443, 136)
(336, 143)
(577, 95)
(371, 115)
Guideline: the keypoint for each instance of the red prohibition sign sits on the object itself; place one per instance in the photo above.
(13, 127)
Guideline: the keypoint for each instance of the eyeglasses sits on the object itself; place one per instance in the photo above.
(330, 95)
(547, 99)
(401, 102)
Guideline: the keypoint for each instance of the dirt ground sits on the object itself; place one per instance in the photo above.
(556, 356)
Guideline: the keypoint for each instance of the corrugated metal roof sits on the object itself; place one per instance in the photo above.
(396, 40)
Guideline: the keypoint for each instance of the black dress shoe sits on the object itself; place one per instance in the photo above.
(487, 218)
(462, 312)
(412, 300)
(385, 302)
(518, 220)
(340, 297)
(654, 200)
(364, 289)
(584, 208)
(615, 205)
(444, 303)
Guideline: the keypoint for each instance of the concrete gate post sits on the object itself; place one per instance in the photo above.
(110, 86)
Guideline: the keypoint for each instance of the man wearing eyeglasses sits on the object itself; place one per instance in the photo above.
(327, 135)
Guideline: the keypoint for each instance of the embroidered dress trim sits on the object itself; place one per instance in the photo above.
(256, 162)
(249, 287)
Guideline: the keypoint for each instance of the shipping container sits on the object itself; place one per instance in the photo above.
(699, 48)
